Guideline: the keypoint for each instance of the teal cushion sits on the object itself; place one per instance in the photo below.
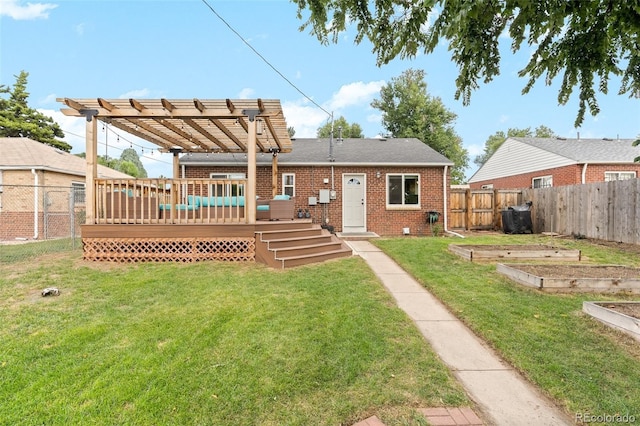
(193, 200)
(281, 197)
(263, 207)
(178, 207)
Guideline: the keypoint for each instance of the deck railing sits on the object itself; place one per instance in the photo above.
(169, 201)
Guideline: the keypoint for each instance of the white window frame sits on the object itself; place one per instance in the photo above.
(611, 176)
(75, 187)
(292, 185)
(227, 190)
(545, 181)
(404, 204)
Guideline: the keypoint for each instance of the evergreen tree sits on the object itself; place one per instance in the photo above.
(18, 120)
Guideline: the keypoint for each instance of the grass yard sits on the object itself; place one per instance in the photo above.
(583, 365)
(209, 343)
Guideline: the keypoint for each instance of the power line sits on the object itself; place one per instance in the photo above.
(265, 60)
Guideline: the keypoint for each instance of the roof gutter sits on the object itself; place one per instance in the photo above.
(35, 204)
(445, 215)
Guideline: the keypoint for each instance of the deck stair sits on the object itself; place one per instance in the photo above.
(295, 244)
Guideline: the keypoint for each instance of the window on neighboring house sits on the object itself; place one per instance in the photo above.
(609, 176)
(227, 189)
(403, 190)
(78, 192)
(289, 184)
(542, 182)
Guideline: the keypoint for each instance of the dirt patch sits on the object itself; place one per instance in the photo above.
(575, 271)
(515, 247)
(629, 309)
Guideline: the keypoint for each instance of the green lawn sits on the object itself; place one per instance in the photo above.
(209, 343)
(582, 364)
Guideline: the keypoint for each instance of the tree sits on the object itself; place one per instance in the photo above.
(128, 163)
(586, 41)
(348, 130)
(494, 141)
(130, 155)
(291, 131)
(18, 120)
(409, 111)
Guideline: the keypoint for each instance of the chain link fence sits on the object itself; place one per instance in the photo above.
(36, 220)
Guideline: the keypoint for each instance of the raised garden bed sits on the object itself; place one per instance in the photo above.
(624, 316)
(577, 278)
(518, 252)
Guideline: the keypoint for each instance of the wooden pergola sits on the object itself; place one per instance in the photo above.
(180, 126)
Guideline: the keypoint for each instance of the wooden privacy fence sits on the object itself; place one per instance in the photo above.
(604, 210)
(480, 209)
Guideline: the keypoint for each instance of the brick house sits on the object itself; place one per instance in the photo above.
(544, 162)
(38, 183)
(383, 186)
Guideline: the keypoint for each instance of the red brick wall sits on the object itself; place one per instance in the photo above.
(19, 225)
(568, 175)
(309, 180)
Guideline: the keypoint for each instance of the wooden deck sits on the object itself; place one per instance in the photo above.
(278, 244)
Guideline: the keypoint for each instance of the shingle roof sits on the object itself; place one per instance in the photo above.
(588, 150)
(24, 153)
(357, 151)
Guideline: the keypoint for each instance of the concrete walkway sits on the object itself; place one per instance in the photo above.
(501, 393)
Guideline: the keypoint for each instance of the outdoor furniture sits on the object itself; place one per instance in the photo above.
(280, 207)
(227, 207)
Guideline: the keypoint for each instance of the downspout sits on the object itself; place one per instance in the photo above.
(584, 172)
(446, 201)
(35, 204)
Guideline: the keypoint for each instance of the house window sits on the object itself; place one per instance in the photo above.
(78, 193)
(403, 190)
(227, 189)
(289, 184)
(609, 176)
(542, 182)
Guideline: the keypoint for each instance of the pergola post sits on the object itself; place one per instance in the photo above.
(251, 169)
(91, 142)
(274, 175)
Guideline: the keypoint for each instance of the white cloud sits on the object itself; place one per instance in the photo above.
(80, 29)
(358, 93)
(49, 99)
(503, 118)
(13, 9)
(246, 93)
(304, 117)
(74, 129)
(139, 93)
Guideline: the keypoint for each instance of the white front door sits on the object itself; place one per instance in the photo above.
(353, 203)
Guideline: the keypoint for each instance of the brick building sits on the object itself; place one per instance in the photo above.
(38, 184)
(545, 162)
(385, 186)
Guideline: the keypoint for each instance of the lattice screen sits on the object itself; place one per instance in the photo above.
(169, 249)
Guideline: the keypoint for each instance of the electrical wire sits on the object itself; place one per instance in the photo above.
(265, 60)
(122, 149)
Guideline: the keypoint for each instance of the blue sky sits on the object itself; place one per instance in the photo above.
(182, 50)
